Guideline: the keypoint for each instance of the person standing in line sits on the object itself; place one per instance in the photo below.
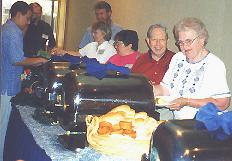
(13, 60)
(39, 34)
(103, 13)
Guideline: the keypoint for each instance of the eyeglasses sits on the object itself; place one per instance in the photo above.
(186, 42)
(95, 32)
(162, 40)
(117, 43)
(36, 13)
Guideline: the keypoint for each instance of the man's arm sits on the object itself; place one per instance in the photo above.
(161, 90)
(31, 61)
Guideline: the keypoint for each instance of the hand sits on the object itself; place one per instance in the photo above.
(40, 61)
(58, 52)
(178, 103)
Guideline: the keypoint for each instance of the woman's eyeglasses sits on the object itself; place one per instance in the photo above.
(186, 42)
(117, 43)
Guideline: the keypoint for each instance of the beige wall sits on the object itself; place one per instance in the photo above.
(140, 14)
(80, 15)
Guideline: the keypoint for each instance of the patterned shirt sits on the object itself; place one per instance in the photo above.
(12, 52)
(204, 79)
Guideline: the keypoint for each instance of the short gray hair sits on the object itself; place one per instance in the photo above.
(104, 28)
(152, 27)
(191, 23)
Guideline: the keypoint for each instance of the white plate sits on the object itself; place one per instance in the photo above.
(167, 100)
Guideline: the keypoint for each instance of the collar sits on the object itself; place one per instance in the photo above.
(13, 24)
(102, 46)
(150, 54)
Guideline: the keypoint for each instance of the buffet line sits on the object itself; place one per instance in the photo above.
(113, 118)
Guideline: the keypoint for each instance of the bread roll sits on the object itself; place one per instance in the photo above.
(113, 117)
(131, 114)
(130, 120)
(105, 123)
(129, 132)
(116, 127)
(125, 125)
(150, 120)
(124, 121)
(119, 132)
(104, 128)
(142, 115)
(139, 122)
(124, 108)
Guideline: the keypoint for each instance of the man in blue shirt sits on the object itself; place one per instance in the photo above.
(103, 13)
(13, 60)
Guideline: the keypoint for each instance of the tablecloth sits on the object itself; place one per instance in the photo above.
(44, 138)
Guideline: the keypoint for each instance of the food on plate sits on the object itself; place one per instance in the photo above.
(159, 101)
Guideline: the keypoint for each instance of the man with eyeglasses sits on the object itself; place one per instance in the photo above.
(39, 34)
(103, 13)
(155, 62)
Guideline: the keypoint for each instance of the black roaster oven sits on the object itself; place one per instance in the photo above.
(87, 95)
(73, 93)
(187, 140)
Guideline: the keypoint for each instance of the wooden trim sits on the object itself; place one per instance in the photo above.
(61, 23)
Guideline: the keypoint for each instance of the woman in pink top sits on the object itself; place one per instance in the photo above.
(126, 45)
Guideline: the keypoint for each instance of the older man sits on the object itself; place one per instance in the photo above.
(155, 62)
(103, 13)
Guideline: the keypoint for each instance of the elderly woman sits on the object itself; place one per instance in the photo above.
(195, 76)
(126, 44)
(100, 49)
